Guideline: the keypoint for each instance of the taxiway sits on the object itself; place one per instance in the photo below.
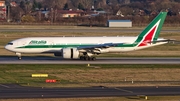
(16, 91)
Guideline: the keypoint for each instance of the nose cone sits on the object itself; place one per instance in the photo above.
(9, 47)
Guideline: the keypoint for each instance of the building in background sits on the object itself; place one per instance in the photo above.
(2, 2)
(2, 10)
(119, 23)
(70, 13)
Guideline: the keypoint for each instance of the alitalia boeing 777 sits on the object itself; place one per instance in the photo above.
(87, 48)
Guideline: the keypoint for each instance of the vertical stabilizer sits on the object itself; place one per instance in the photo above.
(152, 31)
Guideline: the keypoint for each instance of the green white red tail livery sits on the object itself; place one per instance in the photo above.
(152, 31)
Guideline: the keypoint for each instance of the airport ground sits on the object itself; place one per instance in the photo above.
(95, 75)
(132, 98)
(83, 76)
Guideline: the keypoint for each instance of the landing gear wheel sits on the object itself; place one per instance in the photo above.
(19, 58)
(19, 55)
(89, 58)
(93, 58)
(85, 58)
(81, 58)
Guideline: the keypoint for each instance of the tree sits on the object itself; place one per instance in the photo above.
(99, 3)
(177, 1)
(39, 5)
(126, 10)
(87, 4)
(75, 3)
(56, 4)
(175, 7)
(113, 2)
(22, 5)
(137, 5)
(100, 9)
(26, 6)
(35, 5)
(138, 0)
(27, 18)
(16, 13)
(80, 6)
(66, 6)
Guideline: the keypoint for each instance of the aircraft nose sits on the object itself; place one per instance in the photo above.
(8, 47)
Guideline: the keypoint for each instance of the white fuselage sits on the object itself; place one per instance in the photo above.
(55, 44)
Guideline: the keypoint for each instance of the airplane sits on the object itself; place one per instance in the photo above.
(87, 48)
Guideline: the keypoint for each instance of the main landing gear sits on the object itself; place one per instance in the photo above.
(19, 56)
(87, 58)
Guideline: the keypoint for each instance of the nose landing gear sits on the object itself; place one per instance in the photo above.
(19, 56)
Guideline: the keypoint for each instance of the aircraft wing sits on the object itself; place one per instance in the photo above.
(105, 45)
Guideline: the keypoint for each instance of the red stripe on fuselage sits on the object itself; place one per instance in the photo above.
(148, 38)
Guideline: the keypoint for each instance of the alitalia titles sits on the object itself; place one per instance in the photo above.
(36, 42)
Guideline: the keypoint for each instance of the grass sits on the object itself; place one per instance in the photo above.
(70, 27)
(37, 27)
(83, 76)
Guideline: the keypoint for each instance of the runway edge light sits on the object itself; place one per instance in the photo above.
(146, 97)
(39, 75)
(50, 81)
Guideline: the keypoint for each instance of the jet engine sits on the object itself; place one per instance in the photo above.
(70, 53)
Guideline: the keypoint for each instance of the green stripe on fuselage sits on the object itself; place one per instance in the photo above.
(54, 46)
(71, 45)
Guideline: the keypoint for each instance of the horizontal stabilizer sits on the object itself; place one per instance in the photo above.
(165, 40)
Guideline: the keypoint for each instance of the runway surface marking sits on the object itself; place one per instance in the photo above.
(38, 92)
(4, 86)
(124, 90)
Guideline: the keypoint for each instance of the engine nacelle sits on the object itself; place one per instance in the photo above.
(70, 53)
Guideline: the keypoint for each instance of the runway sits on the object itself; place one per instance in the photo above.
(16, 91)
(100, 60)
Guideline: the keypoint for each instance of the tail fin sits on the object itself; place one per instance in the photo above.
(152, 31)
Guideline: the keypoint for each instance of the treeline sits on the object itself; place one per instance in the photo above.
(127, 7)
(139, 11)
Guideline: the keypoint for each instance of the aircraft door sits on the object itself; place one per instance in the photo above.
(100, 42)
(51, 43)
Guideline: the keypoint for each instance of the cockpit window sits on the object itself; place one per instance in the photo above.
(10, 43)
